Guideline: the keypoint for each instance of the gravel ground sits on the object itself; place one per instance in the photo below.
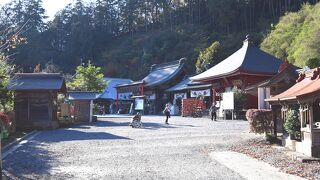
(110, 149)
(278, 157)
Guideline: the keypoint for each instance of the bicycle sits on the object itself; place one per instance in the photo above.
(197, 112)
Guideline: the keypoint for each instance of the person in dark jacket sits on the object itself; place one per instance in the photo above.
(213, 113)
(166, 111)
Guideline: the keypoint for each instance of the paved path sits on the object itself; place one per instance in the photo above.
(110, 149)
(250, 168)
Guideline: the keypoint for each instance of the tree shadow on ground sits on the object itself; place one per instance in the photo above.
(73, 134)
(146, 125)
(30, 161)
(110, 123)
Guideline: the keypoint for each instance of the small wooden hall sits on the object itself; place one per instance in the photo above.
(247, 66)
(35, 99)
(304, 97)
(153, 86)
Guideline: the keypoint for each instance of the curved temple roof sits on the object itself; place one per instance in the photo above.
(163, 72)
(248, 59)
(159, 74)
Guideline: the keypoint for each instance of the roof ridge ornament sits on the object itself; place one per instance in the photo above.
(248, 41)
(301, 77)
(316, 73)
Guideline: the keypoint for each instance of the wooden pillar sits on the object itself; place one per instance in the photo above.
(142, 89)
(311, 123)
(117, 102)
(301, 116)
(275, 120)
(214, 96)
(91, 111)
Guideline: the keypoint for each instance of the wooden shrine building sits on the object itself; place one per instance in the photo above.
(303, 97)
(82, 102)
(35, 100)
(153, 86)
(247, 66)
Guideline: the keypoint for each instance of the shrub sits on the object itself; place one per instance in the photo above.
(260, 120)
(292, 124)
(5, 124)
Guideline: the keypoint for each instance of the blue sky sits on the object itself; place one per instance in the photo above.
(51, 6)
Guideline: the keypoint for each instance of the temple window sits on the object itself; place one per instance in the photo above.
(305, 110)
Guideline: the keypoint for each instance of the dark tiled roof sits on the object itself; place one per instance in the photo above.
(248, 59)
(159, 74)
(82, 95)
(110, 92)
(188, 84)
(163, 72)
(37, 81)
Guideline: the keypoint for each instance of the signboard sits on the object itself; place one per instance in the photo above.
(139, 104)
(125, 96)
(237, 83)
(228, 101)
(180, 96)
(200, 93)
(151, 97)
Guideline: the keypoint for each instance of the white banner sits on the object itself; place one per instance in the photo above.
(125, 96)
(206, 92)
(180, 96)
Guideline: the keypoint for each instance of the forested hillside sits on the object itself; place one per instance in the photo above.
(297, 37)
(125, 37)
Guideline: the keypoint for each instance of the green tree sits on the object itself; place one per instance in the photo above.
(6, 96)
(296, 37)
(88, 78)
(313, 62)
(209, 57)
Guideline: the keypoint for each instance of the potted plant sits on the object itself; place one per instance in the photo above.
(292, 124)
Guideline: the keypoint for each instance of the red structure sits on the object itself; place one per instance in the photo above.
(247, 66)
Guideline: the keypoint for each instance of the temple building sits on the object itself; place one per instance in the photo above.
(304, 98)
(247, 66)
(152, 87)
(107, 99)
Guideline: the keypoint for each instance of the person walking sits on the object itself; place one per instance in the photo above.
(166, 111)
(213, 113)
